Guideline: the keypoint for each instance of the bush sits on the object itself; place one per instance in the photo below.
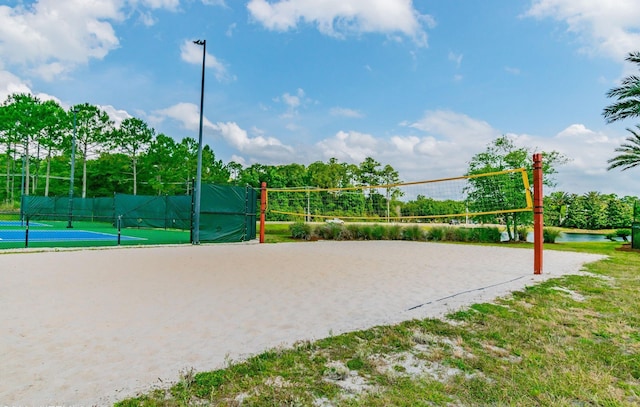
(393, 232)
(550, 234)
(437, 233)
(522, 233)
(490, 234)
(300, 230)
(329, 231)
(413, 233)
(377, 232)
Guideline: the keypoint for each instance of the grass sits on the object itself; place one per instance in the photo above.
(570, 341)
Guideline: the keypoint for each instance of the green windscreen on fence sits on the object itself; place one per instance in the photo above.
(227, 213)
(58, 208)
(161, 211)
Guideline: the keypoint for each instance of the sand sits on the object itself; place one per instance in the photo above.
(91, 327)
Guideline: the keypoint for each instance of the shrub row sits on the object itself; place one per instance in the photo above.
(332, 231)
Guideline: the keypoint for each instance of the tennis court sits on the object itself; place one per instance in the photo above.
(36, 235)
(55, 233)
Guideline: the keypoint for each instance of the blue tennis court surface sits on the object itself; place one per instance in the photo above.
(20, 223)
(60, 235)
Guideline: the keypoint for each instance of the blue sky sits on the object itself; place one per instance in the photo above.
(421, 85)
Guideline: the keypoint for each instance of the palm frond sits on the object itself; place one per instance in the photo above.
(630, 152)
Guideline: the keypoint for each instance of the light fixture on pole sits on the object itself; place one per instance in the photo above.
(198, 189)
(73, 167)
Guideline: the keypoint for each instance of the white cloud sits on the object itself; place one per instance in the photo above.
(340, 17)
(49, 38)
(345, 112)
(117, 115)
(456, 127)
(10, 84)
(350, 146)
(605, 27)
(258, 146)
(192, 53)
(186, 113)
(293, 102)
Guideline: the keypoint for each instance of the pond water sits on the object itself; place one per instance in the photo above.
(572, 237)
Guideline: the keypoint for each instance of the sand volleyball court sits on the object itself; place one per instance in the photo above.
(91, 327)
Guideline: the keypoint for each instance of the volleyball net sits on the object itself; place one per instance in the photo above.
(487, 195)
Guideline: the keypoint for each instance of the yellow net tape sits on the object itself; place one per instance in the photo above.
(489, 194)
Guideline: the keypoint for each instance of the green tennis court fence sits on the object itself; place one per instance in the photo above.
(228, 214)
(163, 212)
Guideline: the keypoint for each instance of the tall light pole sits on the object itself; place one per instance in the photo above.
(198, 191)
(73, 167)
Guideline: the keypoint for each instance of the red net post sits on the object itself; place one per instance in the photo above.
(538, 221)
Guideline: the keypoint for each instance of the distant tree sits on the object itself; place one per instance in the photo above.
(235, 169)
(555, 208)
(213, 171)
(595, 208)
(22, 116)
(160, 166)
(57, 126)
(577, 215)
(502, 154)
(92, 129)
(132, 138)
(629, 156)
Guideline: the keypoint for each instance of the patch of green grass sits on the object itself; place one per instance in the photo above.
(568, 341)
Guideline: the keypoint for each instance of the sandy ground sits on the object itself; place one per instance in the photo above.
(91, 327)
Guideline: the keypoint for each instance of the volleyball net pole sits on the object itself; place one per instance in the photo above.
(538, 214)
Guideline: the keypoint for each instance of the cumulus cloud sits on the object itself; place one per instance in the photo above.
(350, 146)
(269, 148)
(192, 53)
(257, 145)
(455, 126)
(49, 38)
(607, 28)
(117, 115)
(10, 84)
(341, 17)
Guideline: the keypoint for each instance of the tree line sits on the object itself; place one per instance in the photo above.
(36, 139)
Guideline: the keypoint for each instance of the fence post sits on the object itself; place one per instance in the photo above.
(263, 207)
(538, 209)
(119, 225)
(26, 234)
